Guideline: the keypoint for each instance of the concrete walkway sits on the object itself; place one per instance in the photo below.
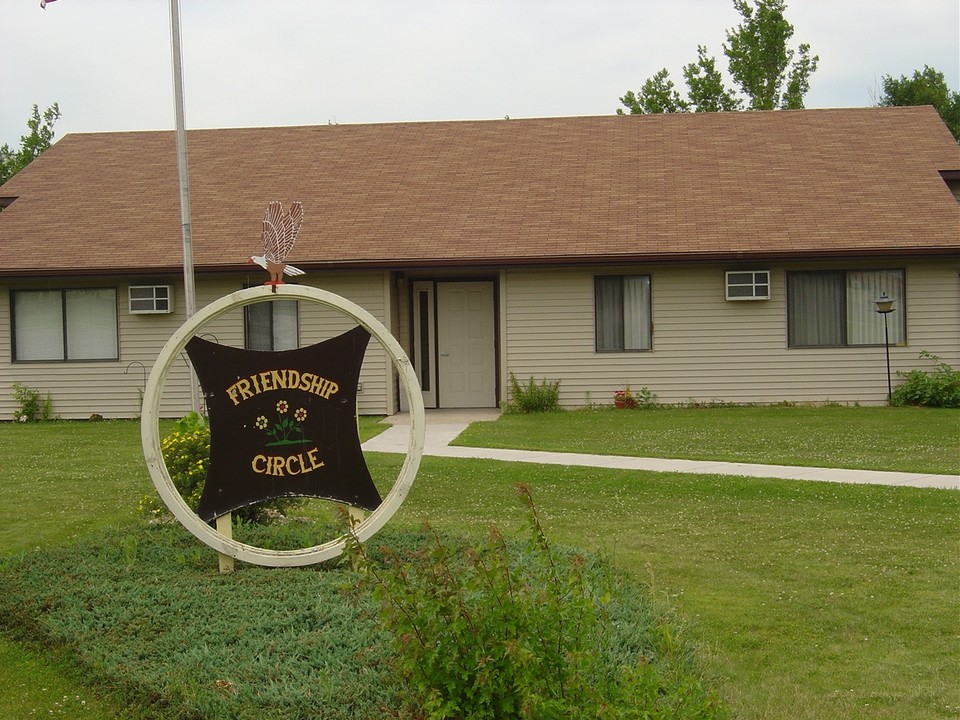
(443, 426)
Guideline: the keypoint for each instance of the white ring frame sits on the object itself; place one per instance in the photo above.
(150, 430)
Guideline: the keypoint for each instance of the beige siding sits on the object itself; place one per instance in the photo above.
(113, 388)
(80, 389)
(706, 349)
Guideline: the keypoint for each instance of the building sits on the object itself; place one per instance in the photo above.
(730, 257)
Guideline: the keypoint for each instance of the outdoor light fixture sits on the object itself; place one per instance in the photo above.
(885, 307)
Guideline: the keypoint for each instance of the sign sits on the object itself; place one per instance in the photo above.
(313, 392)
(283, 424)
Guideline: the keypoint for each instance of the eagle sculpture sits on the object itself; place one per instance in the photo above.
(280, 230)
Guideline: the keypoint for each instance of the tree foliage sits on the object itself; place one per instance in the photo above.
(705, 85)
(38, 139)
(925, 87)
(767, 71)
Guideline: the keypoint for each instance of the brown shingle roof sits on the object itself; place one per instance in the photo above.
(651, 188)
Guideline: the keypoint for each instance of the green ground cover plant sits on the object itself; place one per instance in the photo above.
(816, 600)
(906, 439)
(145, 614)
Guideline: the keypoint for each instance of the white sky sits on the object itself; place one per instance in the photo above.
(302, 62)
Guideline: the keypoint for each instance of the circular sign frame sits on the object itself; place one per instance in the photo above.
(150, 430)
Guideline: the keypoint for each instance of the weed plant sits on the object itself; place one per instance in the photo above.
(939, 388)
(496, 631)
(29, 405)
(532, 398)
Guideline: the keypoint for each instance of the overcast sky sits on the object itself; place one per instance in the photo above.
(302, 62)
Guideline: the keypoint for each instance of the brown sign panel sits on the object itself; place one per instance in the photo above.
(283, 424)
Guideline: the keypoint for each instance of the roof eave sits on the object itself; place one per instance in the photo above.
(726, 256)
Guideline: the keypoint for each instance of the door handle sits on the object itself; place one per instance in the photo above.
(444, 354)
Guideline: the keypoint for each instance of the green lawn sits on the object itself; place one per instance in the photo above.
(818, 600)
(815, 600)
(906, 439)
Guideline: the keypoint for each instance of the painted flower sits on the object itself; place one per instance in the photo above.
(262, 423)
(283, 406)
(300, 415)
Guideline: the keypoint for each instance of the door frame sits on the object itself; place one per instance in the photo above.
(424, 346)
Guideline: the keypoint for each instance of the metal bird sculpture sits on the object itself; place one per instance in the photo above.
(280, 230)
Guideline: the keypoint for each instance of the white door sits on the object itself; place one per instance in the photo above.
(466, 353)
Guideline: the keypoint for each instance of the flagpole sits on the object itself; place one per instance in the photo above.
(188, 281)
(224, 522)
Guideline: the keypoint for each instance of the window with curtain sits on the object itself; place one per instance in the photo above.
(622, 312)
(837, 308)
(65, 325)
(271, 325)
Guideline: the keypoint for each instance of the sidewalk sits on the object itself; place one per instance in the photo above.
(443, 426)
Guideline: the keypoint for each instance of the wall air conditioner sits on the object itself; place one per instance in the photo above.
(748, 285)
(150, 299)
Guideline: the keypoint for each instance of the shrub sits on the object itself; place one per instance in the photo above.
(939, 388)
(531, 397)
(29, 406)
(507, 631)
(628, 400)
(186, 453)
(624, 399)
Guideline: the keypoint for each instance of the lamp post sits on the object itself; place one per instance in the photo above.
(885, 307)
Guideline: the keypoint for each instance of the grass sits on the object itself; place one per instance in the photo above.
(38, 683)
(65, 479)
(816, 600)
(907, 439)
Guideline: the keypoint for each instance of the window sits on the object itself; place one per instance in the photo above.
(838, 308)
(150, 299)
(748, 285)
(61, 325)
(622, 308)
(271, 325)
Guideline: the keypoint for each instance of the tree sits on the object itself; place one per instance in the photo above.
(31, 145)
(658, 95)
(767, 71)
(705, 85)
(926, 87)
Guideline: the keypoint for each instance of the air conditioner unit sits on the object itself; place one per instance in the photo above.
(748, 285)
(150, 299)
